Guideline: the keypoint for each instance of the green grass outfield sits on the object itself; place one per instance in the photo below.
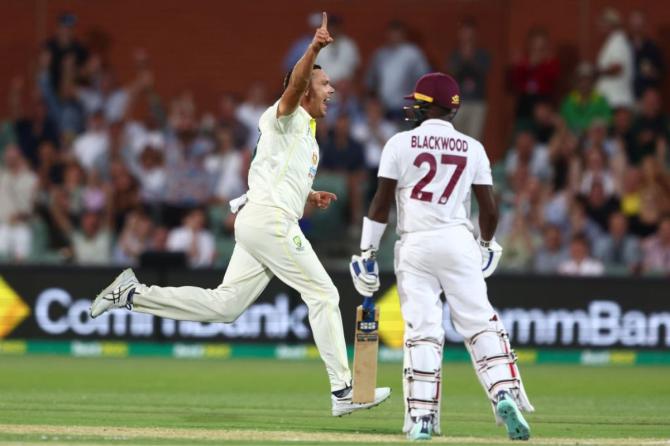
(49, 400)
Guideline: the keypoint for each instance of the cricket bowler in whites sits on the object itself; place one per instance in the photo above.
(431, 170)
(269, 241)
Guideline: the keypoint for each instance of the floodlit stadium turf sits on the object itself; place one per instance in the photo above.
(58, 401)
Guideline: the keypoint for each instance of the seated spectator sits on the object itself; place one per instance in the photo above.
(656, 250)
(596, 138)
(92, 144)
(621, 131)
(341, 153)
(18, 189)
(564, 159)
(226, 168)
(519, 244)
(579, 262)
(550, 254)
(193, 239)
(372, 133)
(395, 68)
(341, 58)
(534, 75)
(469, 64)
(124, 195)
(583, 105)
(227, 117)
(650, 130)
(580, 224)
(599, 205)
(250, 111)
(65, 207)
(596, 170)
(92, 243)
(137, 237)
(617, 248)
(615, 62)
(544, 121)
(648, 57)
(31, 127)
(528, 153)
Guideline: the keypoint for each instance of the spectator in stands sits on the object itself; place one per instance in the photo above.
(395, 68)
(189, 184)
(344, 101)
(64, 45)
(654, 197)
(551, 253)
(534, 75)
(125, 195)
(18, 189)
(657, 250)
(63, 106)
(226, 167)
(227, 117)
(250, 111)
(65, 207)
(92, 243)
(579, 262)
(528, 153)
(648, 57)
(298, 47)
(341, 58)
(373, 132)
(618, 249)
(580, 224)
(92, 144)
(544, 121)
(342, 154)
(650, 129)
(469, 64)
(615, 62)
(621, 131)
(136, 237)
(599, 205)
(151, 173)
(50, 167)
(33, 127)
(193, 239)
(103, 92)
(583, 105)
(564, 160)
(596, 138)
(596, 170)
(519, 242)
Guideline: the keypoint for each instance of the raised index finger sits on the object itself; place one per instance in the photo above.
(324, 20)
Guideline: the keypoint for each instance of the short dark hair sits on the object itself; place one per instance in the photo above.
(287, 78)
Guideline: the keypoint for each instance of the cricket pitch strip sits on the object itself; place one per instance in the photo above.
(94, 435)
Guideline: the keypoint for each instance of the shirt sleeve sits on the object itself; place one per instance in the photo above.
(483, 173)
(281, 124)
(388, 164)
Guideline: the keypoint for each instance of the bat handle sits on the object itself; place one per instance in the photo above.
(368, 303)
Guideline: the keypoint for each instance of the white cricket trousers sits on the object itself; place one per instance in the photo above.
(269, 243)
(428, 263)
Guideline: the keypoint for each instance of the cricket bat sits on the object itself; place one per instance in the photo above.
(366, 344)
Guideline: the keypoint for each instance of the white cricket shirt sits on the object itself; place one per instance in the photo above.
(285, 161)
(435, 166)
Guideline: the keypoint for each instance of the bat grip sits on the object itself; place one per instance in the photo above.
(368, 304)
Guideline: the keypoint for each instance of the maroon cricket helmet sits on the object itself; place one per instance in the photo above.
(437, 88)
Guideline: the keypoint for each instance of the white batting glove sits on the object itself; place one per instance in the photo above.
(365, 273)
(491, 254)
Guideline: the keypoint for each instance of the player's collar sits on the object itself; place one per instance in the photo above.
(437, 122)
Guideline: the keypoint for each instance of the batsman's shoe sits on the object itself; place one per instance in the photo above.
(117, 294)
(422, 429)
(517, 427)
(343, 405)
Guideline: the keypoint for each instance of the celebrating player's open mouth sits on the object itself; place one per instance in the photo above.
(269, 239)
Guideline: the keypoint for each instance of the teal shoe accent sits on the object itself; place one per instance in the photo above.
(422, 429)
(517, 427)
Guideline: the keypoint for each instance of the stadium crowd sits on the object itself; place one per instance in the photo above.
(584, 188)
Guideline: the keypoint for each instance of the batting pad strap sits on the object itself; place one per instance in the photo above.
(371, 235)
(416, 403)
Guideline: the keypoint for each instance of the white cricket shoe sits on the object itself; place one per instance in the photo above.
(343, 405)
(116, 294)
